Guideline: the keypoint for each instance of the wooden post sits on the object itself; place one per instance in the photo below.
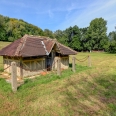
(89, 61)
(73, 64)
(59, 67)
(14, 76)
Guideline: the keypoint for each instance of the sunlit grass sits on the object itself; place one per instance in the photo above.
(3, 44)
(87, 92)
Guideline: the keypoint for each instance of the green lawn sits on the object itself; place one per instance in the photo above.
(3, 44)
(87, 92)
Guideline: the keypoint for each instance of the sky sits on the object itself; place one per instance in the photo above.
(60, 14)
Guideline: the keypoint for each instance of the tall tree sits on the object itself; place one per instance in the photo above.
(2, 26)
(83, 39)
(61, 36)
(97, 36)
(112, 39)
(75, 38)
(12, 29)
(112, 36)
(48, 33)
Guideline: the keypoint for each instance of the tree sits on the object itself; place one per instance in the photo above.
(12, 29)
(75, 38)
(112, 36)
(61, 36)
(2, 30)
(93, 37)
(83, 39)
(97, 36)
(112, 40)
(48, 33)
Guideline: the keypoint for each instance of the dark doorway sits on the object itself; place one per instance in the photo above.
(49, 64)
(50, 60)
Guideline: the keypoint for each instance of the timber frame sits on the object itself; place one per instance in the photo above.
(34, 54)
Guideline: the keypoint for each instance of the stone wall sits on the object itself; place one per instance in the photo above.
(25, 67)
(33, 66)
(29, 67)
(64, 62)
(7, 63)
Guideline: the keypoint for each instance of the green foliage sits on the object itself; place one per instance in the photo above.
(89, 38)
(96, 34)
(12, 29)
(48, 33)
(112, 44)
(75, 38)
(112, 47)
(93, 37)
(2, 28)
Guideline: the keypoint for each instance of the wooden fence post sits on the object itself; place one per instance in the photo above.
(13, 76)
(59, 67)
(73, 64)
(89, 61)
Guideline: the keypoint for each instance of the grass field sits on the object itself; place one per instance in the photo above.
(87, 92)
(2, 45)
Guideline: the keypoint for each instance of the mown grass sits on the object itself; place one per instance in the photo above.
(26, 90)
(5, 87)
(87, 92)
(1, 64)
(2, 45)
(51, 77)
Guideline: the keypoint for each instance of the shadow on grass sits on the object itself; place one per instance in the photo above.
(96, 97)
(110, 53)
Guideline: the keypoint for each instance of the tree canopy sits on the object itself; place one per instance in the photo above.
(93, 37)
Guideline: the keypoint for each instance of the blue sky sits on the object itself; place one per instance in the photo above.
(60, 14)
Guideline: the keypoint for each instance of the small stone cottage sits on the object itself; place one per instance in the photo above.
(33, 54)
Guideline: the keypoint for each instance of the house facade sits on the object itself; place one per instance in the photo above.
(34, 54)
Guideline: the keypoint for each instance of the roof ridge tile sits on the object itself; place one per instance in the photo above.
(21, 45)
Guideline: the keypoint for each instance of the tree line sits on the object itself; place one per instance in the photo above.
(89, 38)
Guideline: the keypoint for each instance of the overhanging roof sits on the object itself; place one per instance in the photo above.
(29, 46)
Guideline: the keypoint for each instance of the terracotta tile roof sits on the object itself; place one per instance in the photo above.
(49, 44)
(10, 49)
(29, 46)
(66, 50)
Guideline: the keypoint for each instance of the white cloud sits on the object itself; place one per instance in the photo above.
(64, 12)
(101, 8)
(50, 13)
(14, 3)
